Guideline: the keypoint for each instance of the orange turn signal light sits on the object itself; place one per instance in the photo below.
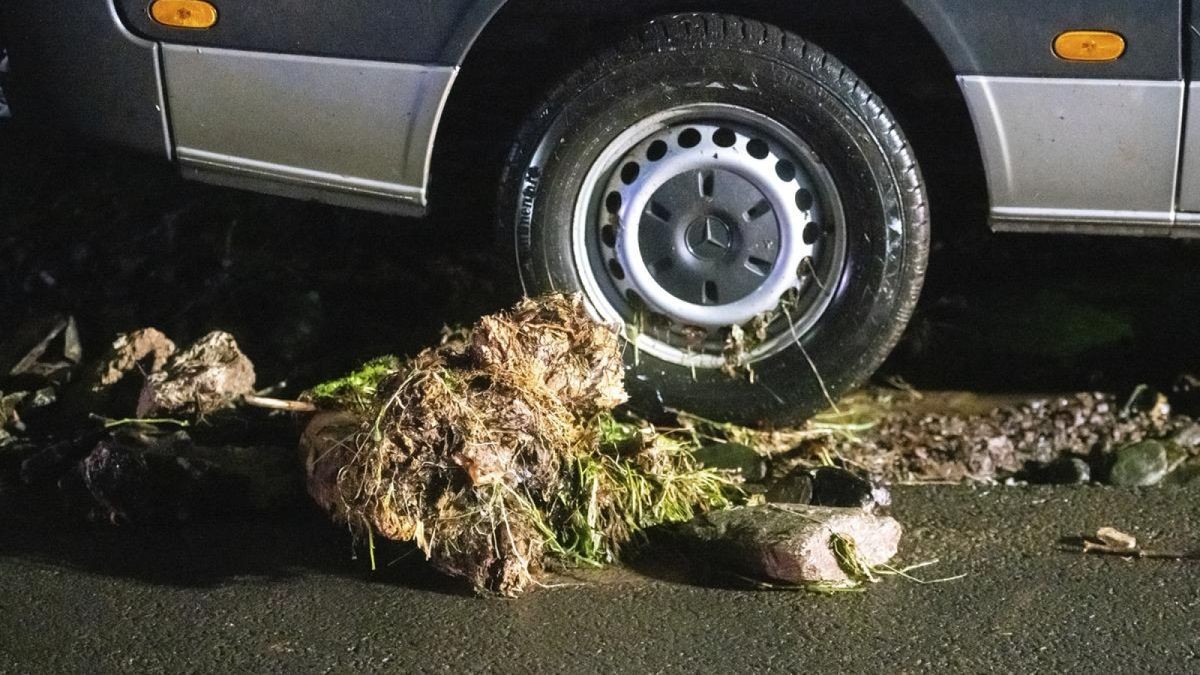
(184, 13)
(1089, 45)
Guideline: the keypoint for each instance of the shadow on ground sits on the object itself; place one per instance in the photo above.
(278, 548)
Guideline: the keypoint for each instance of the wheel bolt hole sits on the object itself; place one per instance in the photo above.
(804, 200)
(608, 235)
(629, 173)
(812, 232)
(656, 151)
(805, 267)
(724, 138)
(616, 270)
(689, 138)
(758, 148)
(785, 170)
(613, 202)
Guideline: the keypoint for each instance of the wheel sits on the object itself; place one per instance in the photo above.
(738, 201)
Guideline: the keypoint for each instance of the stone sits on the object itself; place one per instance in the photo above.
(209, 375)
(1066, 470)
(734, 457)
(828, 486)
(41, 398)
(1188, 438)
(794, 488)
(140, 352)
(1189, 474)
(1141, 464)
(840, 488)
(172, 480)
(9, 405)
(790, 544)
(44, 349)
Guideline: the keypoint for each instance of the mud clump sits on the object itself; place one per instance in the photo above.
(209, 375)
(496, 449)
(141, 351)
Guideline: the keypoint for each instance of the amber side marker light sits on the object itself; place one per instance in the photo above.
(184, 13)
(1089, 45)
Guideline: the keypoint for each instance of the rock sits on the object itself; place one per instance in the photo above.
(828, 486)
(126, 485)
(141, 352)
(790, 544)
(1140, 465)
(51, 462)
(173, 481)
(1188, 438)
(41, 398)
(845, 489)
(112, 384)
(1188, 474)
(9, 404)
(794, 488)
(1065, 470)
(42, 350)
(734, 457)
(209, 375)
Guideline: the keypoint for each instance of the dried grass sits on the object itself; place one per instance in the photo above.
(492, 451)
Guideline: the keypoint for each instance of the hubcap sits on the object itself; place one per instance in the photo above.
(703, 218)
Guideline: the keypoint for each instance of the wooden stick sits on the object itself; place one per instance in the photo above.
(278, 404)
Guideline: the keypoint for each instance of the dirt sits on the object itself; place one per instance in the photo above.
(971, 438)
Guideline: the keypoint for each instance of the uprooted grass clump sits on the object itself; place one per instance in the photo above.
(493, 451)
(355, 392)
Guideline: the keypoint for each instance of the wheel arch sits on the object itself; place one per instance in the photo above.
(901, 48)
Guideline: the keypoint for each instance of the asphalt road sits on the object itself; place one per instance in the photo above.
(287, 597)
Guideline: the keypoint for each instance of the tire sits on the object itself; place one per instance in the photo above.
(596, 199)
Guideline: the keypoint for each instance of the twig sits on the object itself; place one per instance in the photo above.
(112, 424)
(1137, 552)
(278, 403)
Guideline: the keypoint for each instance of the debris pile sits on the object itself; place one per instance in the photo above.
(1063, 439)
(498, 448)
(120, 444)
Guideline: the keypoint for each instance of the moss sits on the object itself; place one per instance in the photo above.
(355, 392)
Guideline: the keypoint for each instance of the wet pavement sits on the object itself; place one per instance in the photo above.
(287, 597)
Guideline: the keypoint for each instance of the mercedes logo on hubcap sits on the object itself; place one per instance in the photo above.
(709, 238)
